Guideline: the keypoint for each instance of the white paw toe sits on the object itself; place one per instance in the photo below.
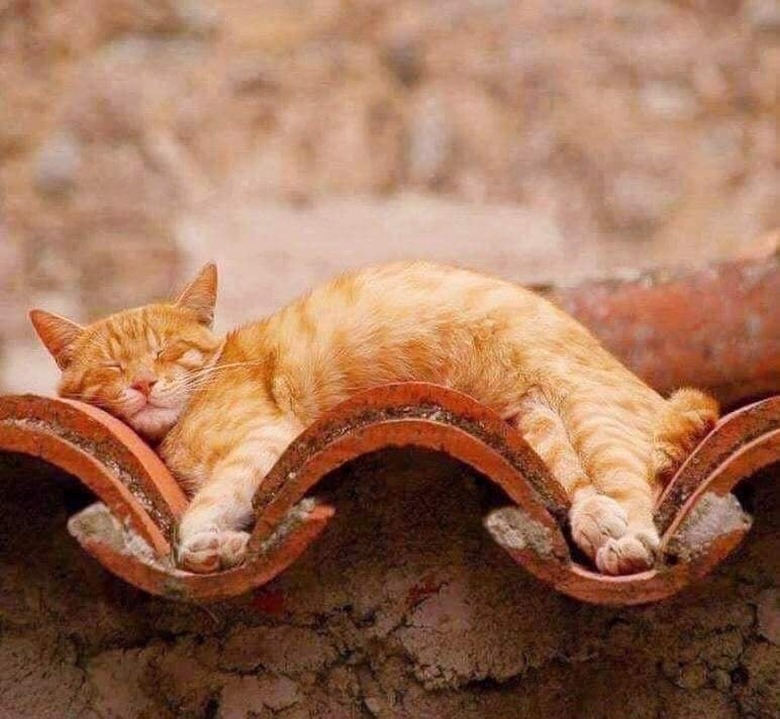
(233, 548)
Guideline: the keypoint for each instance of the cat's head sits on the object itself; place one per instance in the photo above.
(142, 364)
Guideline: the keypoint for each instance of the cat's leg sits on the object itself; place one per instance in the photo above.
(686, 417)
(211, 533)
(595, 518)
(612, 520)
(543, 428)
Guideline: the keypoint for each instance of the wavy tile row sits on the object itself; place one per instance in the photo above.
(733, 330)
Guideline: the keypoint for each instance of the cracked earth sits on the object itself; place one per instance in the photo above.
(405, 608)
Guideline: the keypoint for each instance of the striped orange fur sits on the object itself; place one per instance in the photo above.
(225, 408)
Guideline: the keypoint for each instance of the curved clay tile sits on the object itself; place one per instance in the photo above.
(129, 530)
(717, 327)
(728, 340)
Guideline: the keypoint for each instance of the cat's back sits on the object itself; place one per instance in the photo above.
(411, 321)
(403, 305)
(400, 297)
(402, 321)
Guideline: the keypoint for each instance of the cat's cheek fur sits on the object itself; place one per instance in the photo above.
(130, 401)
(154, 422)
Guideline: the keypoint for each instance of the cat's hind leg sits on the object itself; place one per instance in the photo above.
(595, 518)
(612, 435)
(542, 427)
(686, 417)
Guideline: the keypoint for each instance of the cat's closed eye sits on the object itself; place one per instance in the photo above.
(182, 353)
(191, 358)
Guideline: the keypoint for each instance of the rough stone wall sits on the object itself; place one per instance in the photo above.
(404, 608)
(534, 139)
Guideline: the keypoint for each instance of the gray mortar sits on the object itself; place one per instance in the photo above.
(97, 522)
(714, 516)
(511, 527)
(290, 520)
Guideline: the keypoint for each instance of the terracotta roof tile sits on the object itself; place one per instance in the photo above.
(690, 324)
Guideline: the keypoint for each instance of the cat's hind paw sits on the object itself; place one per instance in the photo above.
(628, 554)
(596, 519)
(212, 551)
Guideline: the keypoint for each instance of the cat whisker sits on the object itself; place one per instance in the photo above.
(201, 377)
(229, 365)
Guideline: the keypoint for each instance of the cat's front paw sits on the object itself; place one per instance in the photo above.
(212, 551)
(634, 552)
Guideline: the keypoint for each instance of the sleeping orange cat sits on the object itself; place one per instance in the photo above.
(224, 409)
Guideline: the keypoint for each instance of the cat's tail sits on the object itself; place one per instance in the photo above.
(687, 416)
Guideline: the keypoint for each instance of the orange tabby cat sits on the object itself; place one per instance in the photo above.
(225, 409)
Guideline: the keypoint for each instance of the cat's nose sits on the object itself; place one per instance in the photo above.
(144, 384)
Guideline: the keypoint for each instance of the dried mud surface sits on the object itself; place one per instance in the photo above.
(404, 608)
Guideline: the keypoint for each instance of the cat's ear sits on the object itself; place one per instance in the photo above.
(201, 294)
(57, 334)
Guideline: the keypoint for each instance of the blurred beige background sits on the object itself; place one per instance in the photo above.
(288, 140)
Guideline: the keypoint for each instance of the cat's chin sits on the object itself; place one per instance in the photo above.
(154, 422)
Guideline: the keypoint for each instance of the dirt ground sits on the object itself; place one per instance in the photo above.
(404, 608)
(289, 140)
